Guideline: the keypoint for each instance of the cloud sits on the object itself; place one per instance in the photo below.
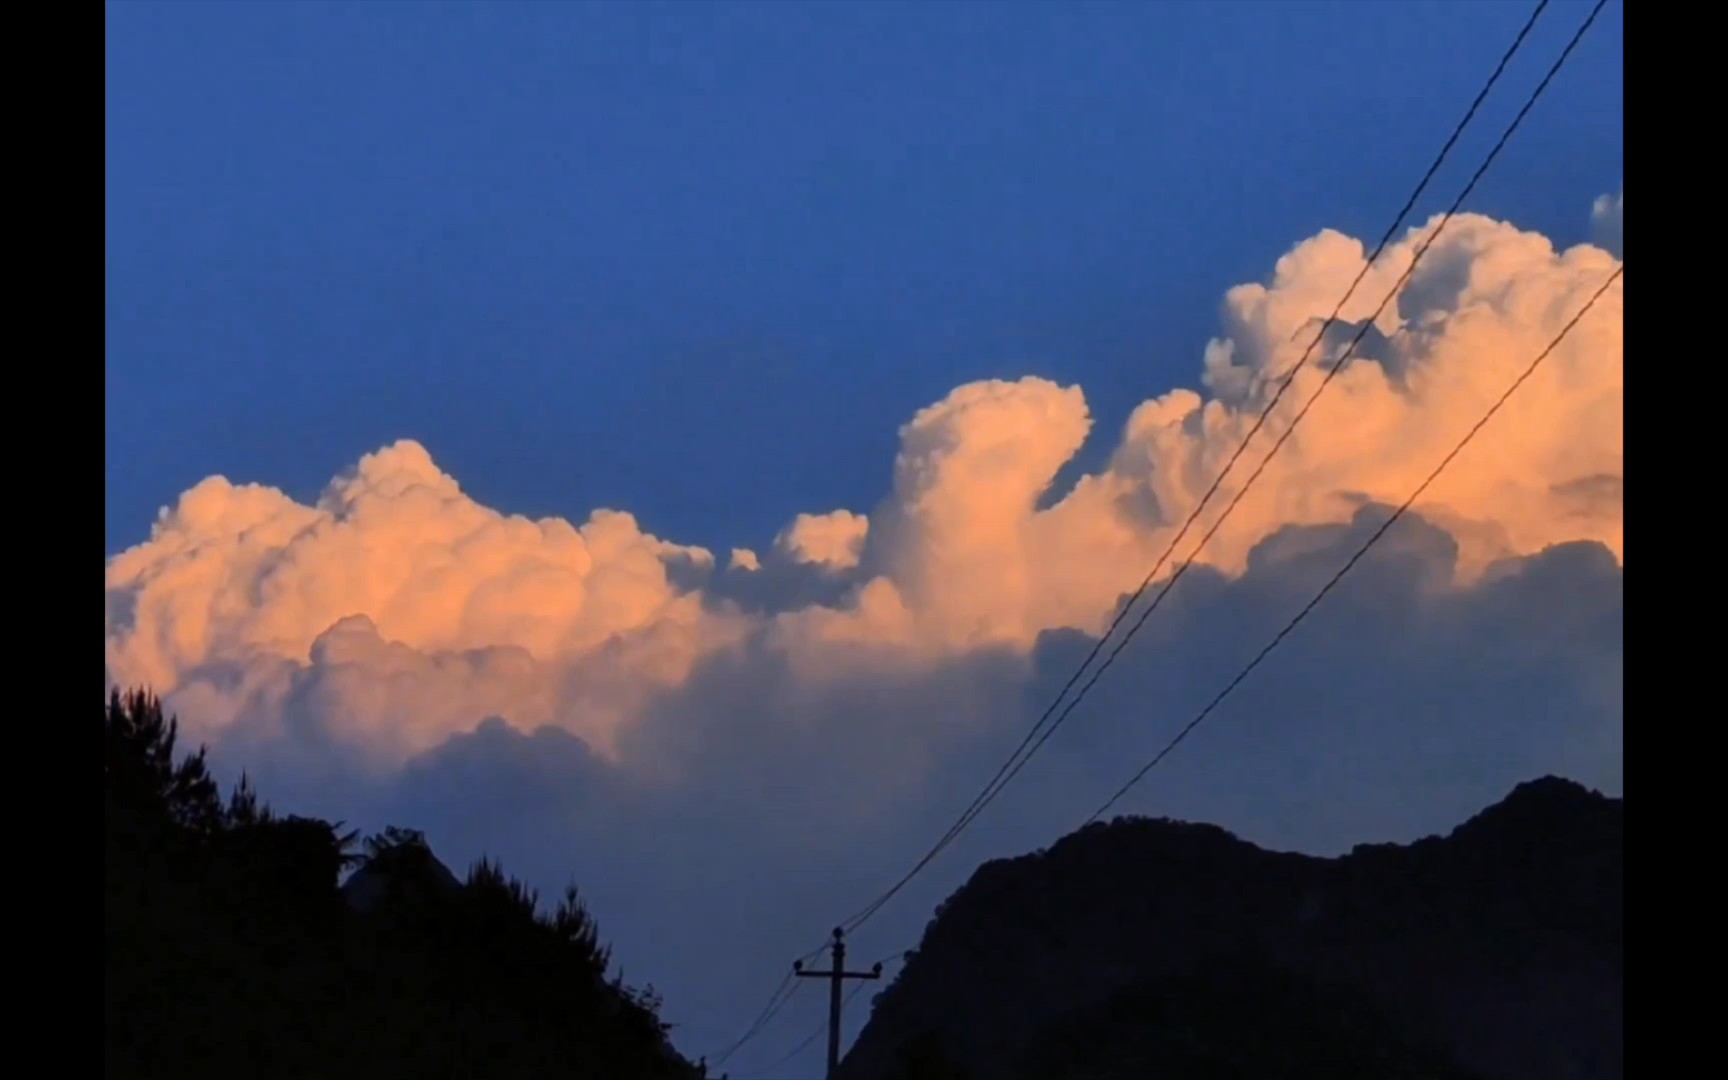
(773, 804)
(834, 540)
(590, 700)
(959, 556)
(1606, 223)
(245, 599)
(745, 559)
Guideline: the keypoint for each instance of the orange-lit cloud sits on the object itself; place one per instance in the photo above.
(961, 556)
(406, 612)
(744, 559)
(432, 609)
(784, 733)
(834, 540)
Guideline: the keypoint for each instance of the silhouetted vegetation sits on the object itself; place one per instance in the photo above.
(233, 949)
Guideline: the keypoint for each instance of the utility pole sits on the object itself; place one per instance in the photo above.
(835, 976)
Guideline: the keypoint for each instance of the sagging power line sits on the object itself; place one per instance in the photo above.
(1039, 733)
(1313, 602)
(1349, 564)
(817, 1031)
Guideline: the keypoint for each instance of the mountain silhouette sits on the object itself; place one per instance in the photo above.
(1156, 948)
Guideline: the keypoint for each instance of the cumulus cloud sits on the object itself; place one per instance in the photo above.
(1606, 223)
(959, 555)
(745, 559)
(786, 803)
(591, 700)
(244, 599)
(834, 540)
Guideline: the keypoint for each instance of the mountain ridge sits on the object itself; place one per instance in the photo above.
(1498, 945)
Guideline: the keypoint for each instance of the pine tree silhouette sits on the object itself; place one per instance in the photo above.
(231, 950)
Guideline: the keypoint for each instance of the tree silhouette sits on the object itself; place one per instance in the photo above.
(231, 948)
(143, 780)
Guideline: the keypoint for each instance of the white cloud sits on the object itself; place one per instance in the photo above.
(834, 540)
(1606, 221)
(745, 559)
(851, 688)
(1398, 709)
(239, 597)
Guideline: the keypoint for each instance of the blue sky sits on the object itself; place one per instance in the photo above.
(700, 260)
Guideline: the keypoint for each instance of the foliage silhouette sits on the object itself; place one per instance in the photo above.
(231, 950)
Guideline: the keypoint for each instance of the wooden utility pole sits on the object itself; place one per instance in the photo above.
(835, 976)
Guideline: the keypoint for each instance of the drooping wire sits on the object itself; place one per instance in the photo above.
(1331, 373)
(997, 898)
(820, 1028)
(1373, 539)
(1039, 733)
(805, 1042)
(776, 1001)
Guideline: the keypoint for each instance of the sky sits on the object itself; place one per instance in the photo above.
(681, 447)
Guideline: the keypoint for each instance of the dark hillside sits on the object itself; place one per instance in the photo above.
(231, 951)
(1160, 948)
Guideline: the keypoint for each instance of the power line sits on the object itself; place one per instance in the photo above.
(1011, 767)
(836, 976)
(1373, 539)
(1331, 583)
(1349, 564)
(805, 1042)
(1331, 373)
(1038, 734)
(893, 957)
(775, 1003)
(1313, 602)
